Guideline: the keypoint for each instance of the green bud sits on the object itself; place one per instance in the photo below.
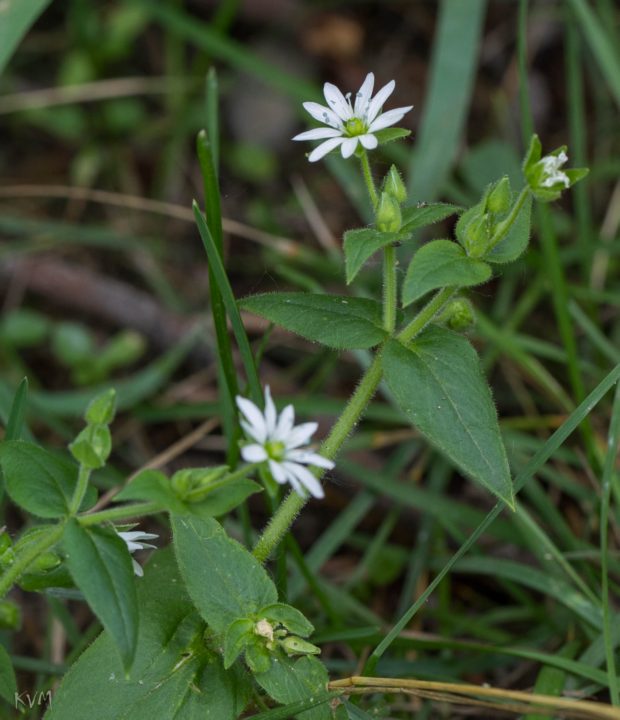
(293, 645)
(394, 185)
(92, 446)
(10, 615)
(459, 315)
(45, 562)
(193, 484)
(388, 217)
(102, 408)
(477, 235)
(123, 349)
(500, 197)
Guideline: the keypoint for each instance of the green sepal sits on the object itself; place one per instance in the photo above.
(292, 619)
(92, 447)
(388, 135)
(102, 408)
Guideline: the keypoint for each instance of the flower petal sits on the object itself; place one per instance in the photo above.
(278, 472)
(255, 427)
(318, 134)
(306, 478)
(324, 148)
(337, 101)
(348, 146)
(300, 435)
(388, 118)
(369, 141)
(362, 97)
(137, 568)
(254, 453)
(323, 114)
(271, 414)
(285, 423)
(306, 457)
(379, 99)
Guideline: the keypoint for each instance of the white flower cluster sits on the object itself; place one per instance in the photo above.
(277, 441)
(347, 124)
(134, 540)
(551, 170)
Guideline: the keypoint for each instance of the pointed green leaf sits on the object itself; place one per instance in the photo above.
(438, 264)
(8, 683)
(18, 412)
(38, 481)
(517, 240)
(174, 674)
(237, 636)
(438, 383)
(339, 322)
(292, 619)
(223, 579)
(17, 17)
(417, 216)
(101, 567)
(388, 135)
(361, 244)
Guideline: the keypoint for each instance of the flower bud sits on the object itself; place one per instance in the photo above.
(102, 408)
(293, 645)
(500, 197)
(45, 562)
(92, 446)
(388, 216)
(10, 615)
(459, 315)
(477, 235)
(193, 484)
(393, 185)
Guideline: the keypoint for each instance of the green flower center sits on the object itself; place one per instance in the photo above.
(275, 449)
(354, 127)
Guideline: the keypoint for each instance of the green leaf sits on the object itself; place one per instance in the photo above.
(388, 135)
(438, 264)
(17, 17)
(237, 636)
(288, 681)
(292, 619)
(417, 216)
(438, 383)
(101, 567)
(336, 321)
(8, 682)
(223, 579)
(152, 486)
(361, 244)
(174, 674)
(18, 412)
(38, 481)
(518, 238)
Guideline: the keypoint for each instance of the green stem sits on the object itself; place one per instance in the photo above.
(428, 312)
(389, 288)
(370, 183)
(123, 512)
(293, 503)
(80, 489)
(30, 553)
(505, 226)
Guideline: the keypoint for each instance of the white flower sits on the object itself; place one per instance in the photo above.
(277, 441)
(551, 170)
(134, 541)
(349, 124)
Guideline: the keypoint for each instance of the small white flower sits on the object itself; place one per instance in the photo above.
(551, 170)
(349, 124)
(134, 541)
(277, 441)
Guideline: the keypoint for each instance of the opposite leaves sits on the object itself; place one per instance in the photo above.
(438, 383)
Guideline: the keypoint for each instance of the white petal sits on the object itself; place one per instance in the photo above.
(285, 423)
(270, 413)
(324, 148)
(137, 568)
(255, 427)
(348, 146)
(362, 98)
(254, 453)
(388, 118)
(305, 457)
(337, 101)
(318, 134)
(369, 141)
(300, 435)
(278, 472)
(323, 114)
(306, 478)
(379, 99)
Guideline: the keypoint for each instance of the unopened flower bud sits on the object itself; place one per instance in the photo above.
(92, 446)
(45, 562)
(193, 484)
(10, 615)
(477, 236)
(500, 197)
(459, 315)
(388, 216)
(293, 645)
(394, 185)
(102, 408)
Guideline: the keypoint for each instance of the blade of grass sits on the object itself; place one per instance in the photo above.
(228, 298)
(541, 457)
(17, 17)
(453, 67)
